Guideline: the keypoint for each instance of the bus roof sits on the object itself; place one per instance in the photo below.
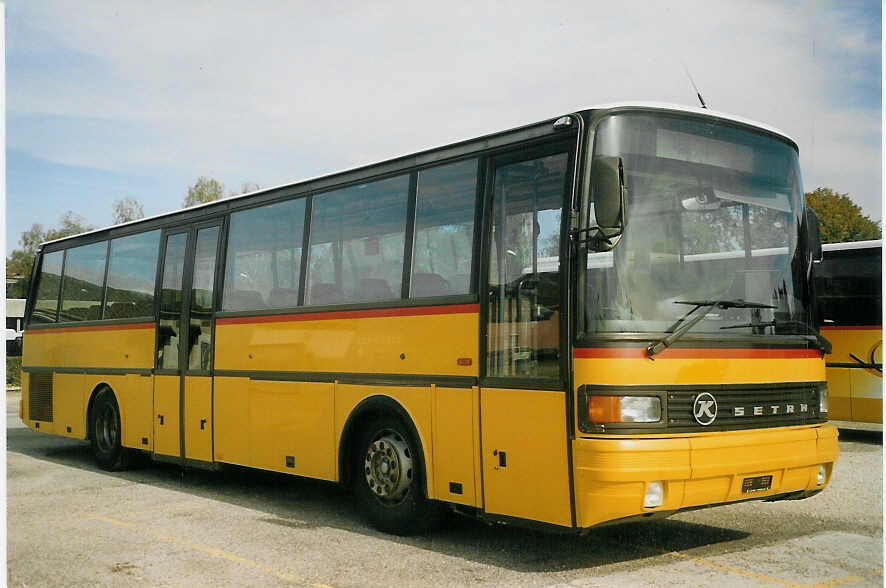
(696, 111)
(852, 245)
(484, 139)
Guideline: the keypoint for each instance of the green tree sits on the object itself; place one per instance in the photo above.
(19, 262)
(841, 218)
(127, 209)
(204, 190)
(68, 224)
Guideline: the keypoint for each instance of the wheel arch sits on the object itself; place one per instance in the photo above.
(96, 390)
(361, 414)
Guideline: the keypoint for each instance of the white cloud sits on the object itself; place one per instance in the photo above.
(287, 90)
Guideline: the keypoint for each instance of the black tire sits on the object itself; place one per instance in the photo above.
(105, 432)
(388, 479)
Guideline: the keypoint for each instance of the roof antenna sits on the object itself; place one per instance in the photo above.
(691, 81)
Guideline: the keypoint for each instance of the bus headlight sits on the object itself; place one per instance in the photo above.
(823, 399)
(624, 409)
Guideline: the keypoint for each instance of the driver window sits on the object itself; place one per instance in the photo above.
(523, 335)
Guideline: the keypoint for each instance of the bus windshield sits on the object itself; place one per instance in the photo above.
(713, 214)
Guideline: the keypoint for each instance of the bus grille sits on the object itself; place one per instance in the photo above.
(746, 407)
(40, 397)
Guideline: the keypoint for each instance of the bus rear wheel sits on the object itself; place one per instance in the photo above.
(105, 432)
(388, 479)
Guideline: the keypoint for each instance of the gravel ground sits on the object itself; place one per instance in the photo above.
(71, 524)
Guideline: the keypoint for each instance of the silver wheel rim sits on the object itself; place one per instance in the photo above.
(388, 467)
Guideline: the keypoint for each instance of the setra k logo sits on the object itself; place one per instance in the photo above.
(704, 409)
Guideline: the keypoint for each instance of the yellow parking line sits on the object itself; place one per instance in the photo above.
(208, 550)
(739, 571)
(847, 579)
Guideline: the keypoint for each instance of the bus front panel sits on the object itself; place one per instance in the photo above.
(695, 464)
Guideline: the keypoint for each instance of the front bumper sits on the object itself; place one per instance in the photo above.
(697, 470)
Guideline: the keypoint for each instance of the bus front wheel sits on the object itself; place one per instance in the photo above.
(388, 479)
(105, 432)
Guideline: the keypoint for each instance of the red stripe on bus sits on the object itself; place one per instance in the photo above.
(353, 314)
(853, 328)
(90, 328)
(640, 353)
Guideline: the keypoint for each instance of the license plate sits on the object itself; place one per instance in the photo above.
(756, 484)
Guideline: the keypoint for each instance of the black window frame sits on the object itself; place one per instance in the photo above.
(160, 245)
(34, 288)
(548, 146)
(834, 256)
(477, 229)
(226, 236)
(61, 295)
(408, 226)
(190, 231)
(222, 222)
(479, 148)
(403, 300)
(158, 289)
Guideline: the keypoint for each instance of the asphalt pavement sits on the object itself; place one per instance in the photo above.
(71, 524)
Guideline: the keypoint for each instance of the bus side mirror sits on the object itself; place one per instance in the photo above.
(813, 235)
(608, 200)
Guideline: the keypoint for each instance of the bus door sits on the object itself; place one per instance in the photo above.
(183, 381)
(523, 391)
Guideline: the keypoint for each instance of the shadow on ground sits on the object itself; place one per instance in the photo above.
(300, 503)
(873, 437)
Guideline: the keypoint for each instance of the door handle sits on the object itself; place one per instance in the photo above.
(202, 424)
(160, 416)
(502, 458)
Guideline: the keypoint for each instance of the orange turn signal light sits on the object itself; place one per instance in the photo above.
(604, 409)
(624, 409)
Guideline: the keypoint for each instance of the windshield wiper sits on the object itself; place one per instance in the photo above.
(680, 329)
(822, 344)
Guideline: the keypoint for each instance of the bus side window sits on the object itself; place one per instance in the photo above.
(83, 283)
(171, 301)
(264, 257)
(444, 230)
(847, 286)
(202, 290)
(48, 284)
(131, 274)
(358, 236)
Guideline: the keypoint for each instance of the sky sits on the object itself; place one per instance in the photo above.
(107, 100)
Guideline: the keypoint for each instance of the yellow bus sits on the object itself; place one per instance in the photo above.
(849, 291)
(571, 323)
